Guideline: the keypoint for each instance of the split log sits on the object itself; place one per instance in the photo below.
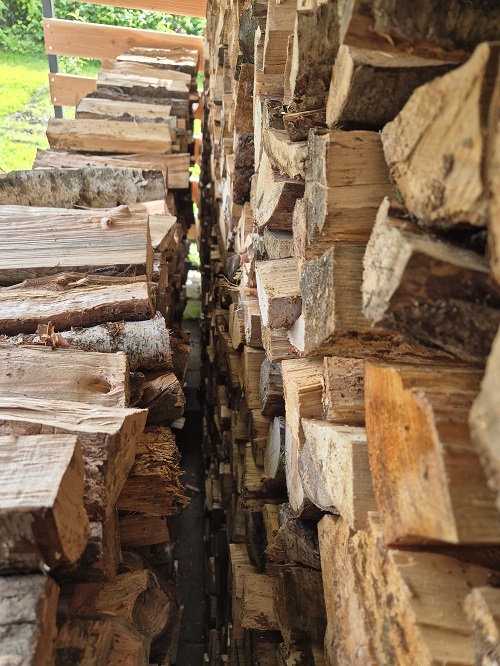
(111, 109)
(42, 519)
(482, 607)
(181, 351)
(347, 635)
(236, 327)
(370, 87)
(243, 168)
(86, 240)
(302, 386)
(346, 181)
(149, 74)
(273, 197)
(343, 391)
(484, 420)
(28, 620)
(77, 299)
(90, 377)
(436, 293)
(108, 438)
(251, 362)
(176, 106)
(239, 566)
(298, 124)
(256, 488)
(427, 478)
(101, 641)
(417, 617)
(258, 429)
(252, 322)
(162, 395)
(257, 602)
(279, 26)
(278, 244)
(288, 156)
(137, 530)
(178, 59)
(174, 166)
(272, 401)
(108, 136)
(153, 487)
(295, 541)
(278, 343)
(151, 85)
(279, 292)
(274, 455)
(89, 187)
(439, 172)
(334, 470)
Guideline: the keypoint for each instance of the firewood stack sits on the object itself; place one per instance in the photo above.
(92, 262)
(350, 211)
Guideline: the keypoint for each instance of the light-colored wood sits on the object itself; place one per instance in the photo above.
(105, 42)
(68, 89)
(257, 602)
(162, 395)
(181, 59)
(88, 187)
(252, 322)
(42, 518)
(153, 487)
(112, 109)
(296, 541)
(334, 470)
(482, 607)
(148, 83)
(435, 151)
(484, 420)
(272, 402)
(343, 390)
(258, 429)
(75, 299)
(240, 566)
(419, 439)
(278, 289)
(347, 635)
(434, 292)
(279, 26)
(361, 79)
(289, 157)
(302, 386)
(278, 244)
(145, 71)
(274, 455)
(251, 362)
(28, 620)
(100, 379)
(175, 166)
(191, 8)
(108, 136)
(108, 437)
(86, 239)
(139, 530)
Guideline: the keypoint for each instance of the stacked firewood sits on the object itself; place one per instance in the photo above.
(350, 209)
(92, 263)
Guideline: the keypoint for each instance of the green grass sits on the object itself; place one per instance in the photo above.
(25, 105)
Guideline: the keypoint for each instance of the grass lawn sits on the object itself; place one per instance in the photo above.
(25, 107)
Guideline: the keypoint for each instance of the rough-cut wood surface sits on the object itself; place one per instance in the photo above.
(108, 437)
(257, 603)
(162, 395)
(279, 292)
(111, 109)
(175, 166)
(28, 606)
(108, 136)
(435, 292)
(343, 390)
(88, 187)
(74, 299)
(74, 240)
(181, 59)
(272, 402)
(482, 607)
(42, 518)
(294, 541)
(138, 530)
(428, 481)
(100, 379)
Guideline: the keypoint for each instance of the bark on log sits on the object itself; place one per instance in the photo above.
(73, 299)
(42, 519)
(108, 438)
(89, 187)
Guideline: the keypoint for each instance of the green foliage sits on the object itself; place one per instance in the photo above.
(21, 21)
(194, 255)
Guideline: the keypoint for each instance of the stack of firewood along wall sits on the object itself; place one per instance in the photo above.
(93, 367)
(350, 220)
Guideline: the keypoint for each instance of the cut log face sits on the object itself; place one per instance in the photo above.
(369, 88)
(86, 240)
(299, 602)
(289, 157)
(108, 136)
(293, 540)
(482, 607)
(108, 438)
(274, 456)
(278, 244)
(139, 530)
(153, 487)
(110, 109)
(428, 481)
(252, 321)
(178, 59)
(343, 390)
(76, 299)
(89, 187)
(28, 620)
(347, 635)
(279, 292)
(175, 167)
(272, 402)
(257, 603)
(435, 292)
(437, 171)
(334, 470)
(162, 395)
(42, 518)
(100, 379)
(484, 421)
